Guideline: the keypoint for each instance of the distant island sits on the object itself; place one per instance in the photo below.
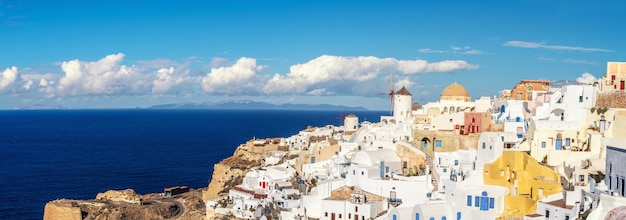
(229, 104)
(248, 104)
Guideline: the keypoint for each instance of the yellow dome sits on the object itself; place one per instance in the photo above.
(454, 89)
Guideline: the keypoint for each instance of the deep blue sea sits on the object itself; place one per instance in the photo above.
(75, 154)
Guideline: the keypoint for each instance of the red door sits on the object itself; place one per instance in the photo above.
(621, 85)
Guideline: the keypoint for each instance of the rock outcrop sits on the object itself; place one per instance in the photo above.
(127, 195)
(126, 204)
(62, 209)
(230, 171)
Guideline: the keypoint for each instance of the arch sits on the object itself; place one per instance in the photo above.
(484, 193)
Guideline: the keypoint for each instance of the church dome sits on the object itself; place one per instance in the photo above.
(455, 91)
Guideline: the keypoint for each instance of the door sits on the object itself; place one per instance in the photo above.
(332, 216)
(559, 144)
(621, 85)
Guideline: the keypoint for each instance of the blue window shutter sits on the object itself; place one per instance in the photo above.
(469, 200)
(458, 216)
(477, 201)
(491, 201)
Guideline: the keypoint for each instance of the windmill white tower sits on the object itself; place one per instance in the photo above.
(402, 104)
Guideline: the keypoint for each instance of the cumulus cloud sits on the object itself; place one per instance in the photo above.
(241, 77)
(534, 45)
(586, 78)
(102, 77)
(328, 71)
(168, 78)
(9, 76)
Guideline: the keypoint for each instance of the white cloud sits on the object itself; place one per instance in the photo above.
(104, 76)
(580, 62)
(241, 77)
(28, 84)
(586, 78)
(167, 78)
(428, 50)
(9, 76)
(534, 45)
(318, 92)
(465, 50)
(336, 72)
(406, 82)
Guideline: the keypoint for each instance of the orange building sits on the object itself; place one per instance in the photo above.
(525, 88)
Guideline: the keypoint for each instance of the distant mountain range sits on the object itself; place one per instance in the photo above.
(247, 104)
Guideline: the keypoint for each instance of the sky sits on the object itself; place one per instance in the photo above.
(127, 54)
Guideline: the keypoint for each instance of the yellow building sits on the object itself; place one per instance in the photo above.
(527, 181)
(615, 77)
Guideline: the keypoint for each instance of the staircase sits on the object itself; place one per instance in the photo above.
(433, 173)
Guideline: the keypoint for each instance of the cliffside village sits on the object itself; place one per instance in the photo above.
(541, 150)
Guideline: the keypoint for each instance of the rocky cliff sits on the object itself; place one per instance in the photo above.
(126, 204)
(230, 171)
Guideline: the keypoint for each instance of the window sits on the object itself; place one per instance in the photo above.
(417, 216)
(543, 144)
(490, 147)
(353, 172)
(425, 143)
(547, 213)
(438, 143)
(394, 216)
(432, 218)
(362, 173)
(325, 214)
(567, 141)
(443, 218)
(458, 216)
(445, 170)
(580, 98)
(456, 162)
(581, 178)
(356, 208)
(349, 215)
(566, 217)
(484, 145)
(491, 203)
(476, 201)
(469, 200)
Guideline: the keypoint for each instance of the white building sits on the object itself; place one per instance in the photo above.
(491, 145)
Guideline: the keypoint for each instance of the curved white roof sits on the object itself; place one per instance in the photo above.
(373, 158)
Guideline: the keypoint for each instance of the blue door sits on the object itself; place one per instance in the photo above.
(484, 203)
(559, 144)
(312, 159)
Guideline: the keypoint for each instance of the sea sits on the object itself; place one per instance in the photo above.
(75, 154)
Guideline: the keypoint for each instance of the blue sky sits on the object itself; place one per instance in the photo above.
(121, 54)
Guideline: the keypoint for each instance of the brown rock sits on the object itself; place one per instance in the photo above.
(61, 210)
